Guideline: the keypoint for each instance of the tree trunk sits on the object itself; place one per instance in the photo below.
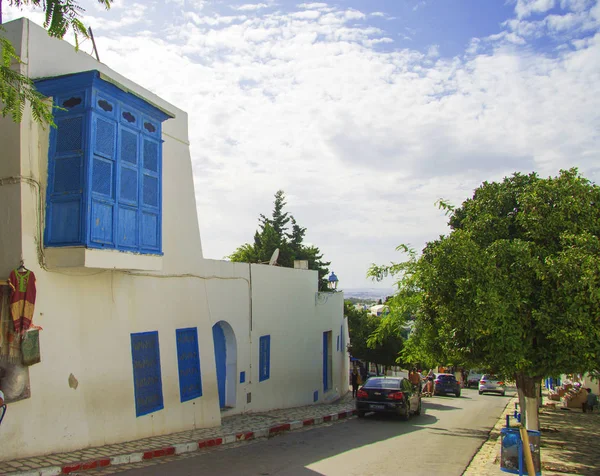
(528, 400)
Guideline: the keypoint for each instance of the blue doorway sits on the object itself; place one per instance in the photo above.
(220, 361)
(327, 361)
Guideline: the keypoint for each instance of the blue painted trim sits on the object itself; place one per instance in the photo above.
(325, 362)
(188, 364)
(242, 377)
(264, 352)
(72, 82)
(147, 379)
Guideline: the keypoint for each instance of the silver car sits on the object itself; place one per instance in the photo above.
(492, 384)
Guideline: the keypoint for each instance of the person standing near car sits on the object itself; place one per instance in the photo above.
(355, 380)
(415, 378)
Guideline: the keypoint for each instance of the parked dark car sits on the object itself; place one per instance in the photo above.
(446, 383)
(393, 395)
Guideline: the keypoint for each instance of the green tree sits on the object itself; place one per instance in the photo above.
(16, 89)
(514, 287)
(274, 233)
(361, 325)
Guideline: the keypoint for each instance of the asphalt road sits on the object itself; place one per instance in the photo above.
(440, 441)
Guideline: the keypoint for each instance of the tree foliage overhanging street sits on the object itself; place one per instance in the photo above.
(361, 325)
(513, 288)
(275, 233)
(16, 89)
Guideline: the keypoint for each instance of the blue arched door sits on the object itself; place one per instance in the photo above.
(220, 361)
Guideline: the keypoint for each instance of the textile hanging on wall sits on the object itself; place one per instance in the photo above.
(22, 299)
(10, 343)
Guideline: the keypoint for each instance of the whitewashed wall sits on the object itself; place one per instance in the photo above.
(88, 315)
(284, 306)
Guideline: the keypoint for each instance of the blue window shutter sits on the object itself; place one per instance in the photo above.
(188, 361)
(67, 175)
(105, 166)
(106, 137)
(147, 379)
(264, 358)
(69, 136)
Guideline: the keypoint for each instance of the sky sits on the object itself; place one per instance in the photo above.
(365, 112)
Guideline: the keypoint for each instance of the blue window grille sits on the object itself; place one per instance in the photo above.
(264, 353)
(104, 166)
(188, 361)
(147, 381)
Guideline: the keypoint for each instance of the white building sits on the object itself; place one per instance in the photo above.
(379, 310)
(141, 335)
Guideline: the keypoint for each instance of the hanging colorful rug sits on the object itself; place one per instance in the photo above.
(10, 342)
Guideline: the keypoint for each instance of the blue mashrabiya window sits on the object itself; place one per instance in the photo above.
(104, 166)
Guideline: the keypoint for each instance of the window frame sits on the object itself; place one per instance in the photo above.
(97, 211)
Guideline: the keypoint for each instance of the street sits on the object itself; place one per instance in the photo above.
(440, 441)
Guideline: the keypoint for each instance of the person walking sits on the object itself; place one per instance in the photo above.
(591, 401)
(355, 380)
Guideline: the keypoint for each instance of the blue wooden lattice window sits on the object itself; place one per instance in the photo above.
(188, 361)
(264, 353)
(104, 166)
(147, 381)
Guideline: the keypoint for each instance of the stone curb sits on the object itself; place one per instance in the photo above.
(180, 448)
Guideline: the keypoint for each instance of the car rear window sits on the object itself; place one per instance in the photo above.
(489, 377)
(446, 378)
(382, 383)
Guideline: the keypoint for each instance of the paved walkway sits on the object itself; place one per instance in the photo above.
(233, 429)
(570, 442)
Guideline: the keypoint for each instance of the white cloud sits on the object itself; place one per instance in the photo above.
(313, 6)
(525, 8)
(250, 7)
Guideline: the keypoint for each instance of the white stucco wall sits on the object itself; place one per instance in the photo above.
(88, 315)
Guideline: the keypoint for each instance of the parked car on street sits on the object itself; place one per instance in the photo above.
(491, 384)
(394, 395)
(446, 383)
(473, 378)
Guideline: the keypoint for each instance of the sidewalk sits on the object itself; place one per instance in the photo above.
(570, 444)
(234, 429)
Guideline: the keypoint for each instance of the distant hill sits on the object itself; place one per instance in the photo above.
(372, 294)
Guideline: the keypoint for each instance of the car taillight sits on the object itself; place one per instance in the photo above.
(437, 381)
(500, 383)
(396, 396)
(482, 382)
(362, 394)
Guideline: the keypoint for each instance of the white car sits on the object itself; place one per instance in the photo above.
(491, 384)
